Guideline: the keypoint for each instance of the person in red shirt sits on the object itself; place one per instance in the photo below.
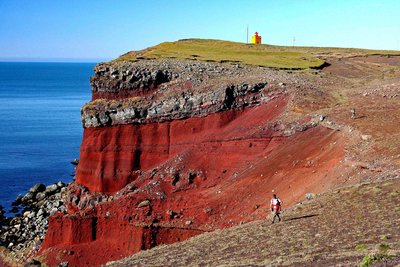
(276, 204)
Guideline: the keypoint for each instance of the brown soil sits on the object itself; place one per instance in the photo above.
(371, 86)
(336, 228)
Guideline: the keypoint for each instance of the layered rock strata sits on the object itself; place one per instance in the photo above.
(186, 90)
(172, 149)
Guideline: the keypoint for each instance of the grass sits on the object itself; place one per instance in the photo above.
(224, 51)
(361, 246)
(282, 57)
(383, 248)
(370, 260)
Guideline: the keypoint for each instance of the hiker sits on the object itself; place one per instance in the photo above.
(353, 113)
(275, 207)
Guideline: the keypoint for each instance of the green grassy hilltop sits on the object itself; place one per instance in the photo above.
(281, 57)
(225, 51)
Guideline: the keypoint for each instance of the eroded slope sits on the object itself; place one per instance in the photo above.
(342, 227)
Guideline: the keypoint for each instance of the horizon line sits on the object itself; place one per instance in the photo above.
(55, 60)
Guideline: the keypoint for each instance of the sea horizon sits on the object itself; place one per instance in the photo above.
(54, 60)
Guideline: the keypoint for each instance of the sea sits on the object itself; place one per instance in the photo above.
(40, 126)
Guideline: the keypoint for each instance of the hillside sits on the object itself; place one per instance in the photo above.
(177, 145)
(347, 227)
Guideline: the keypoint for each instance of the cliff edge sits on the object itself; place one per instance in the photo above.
(177, 143)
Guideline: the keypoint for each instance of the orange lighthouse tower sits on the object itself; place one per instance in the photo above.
(256, 39)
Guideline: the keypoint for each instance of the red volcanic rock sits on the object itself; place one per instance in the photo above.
(210, 171)
(111, 155)
(150, 178)
(92, 241)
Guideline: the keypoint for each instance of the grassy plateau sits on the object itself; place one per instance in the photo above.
(281, 57)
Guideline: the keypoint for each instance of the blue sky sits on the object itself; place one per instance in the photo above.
(104, 29)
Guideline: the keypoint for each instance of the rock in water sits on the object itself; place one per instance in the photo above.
(51, 189)
(75, 162)
(37, 188)
(1, 215)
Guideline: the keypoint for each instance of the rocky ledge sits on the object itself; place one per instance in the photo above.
(163, 90)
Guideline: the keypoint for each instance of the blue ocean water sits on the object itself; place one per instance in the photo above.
(40, 127)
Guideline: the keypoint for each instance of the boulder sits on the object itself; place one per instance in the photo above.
(51, 189)
(27, 198)
(310, 196)
(60, 184)
(144, 203)
(18, 200)
(75, 162)
(37, 188)
(40, 196)
(40, 212)
(1, 215)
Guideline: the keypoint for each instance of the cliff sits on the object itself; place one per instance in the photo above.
(128, 135)
(173, 148)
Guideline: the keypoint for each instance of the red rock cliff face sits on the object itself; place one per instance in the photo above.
(112, 156)
(172, 165)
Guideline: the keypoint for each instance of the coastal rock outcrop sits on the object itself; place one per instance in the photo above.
(192, 89)
(187, 104)
(174, 148)
(23, 234)
(124, 79)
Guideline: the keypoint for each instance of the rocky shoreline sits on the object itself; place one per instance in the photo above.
(23, 234)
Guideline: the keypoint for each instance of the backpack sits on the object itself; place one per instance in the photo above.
(278, 202)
